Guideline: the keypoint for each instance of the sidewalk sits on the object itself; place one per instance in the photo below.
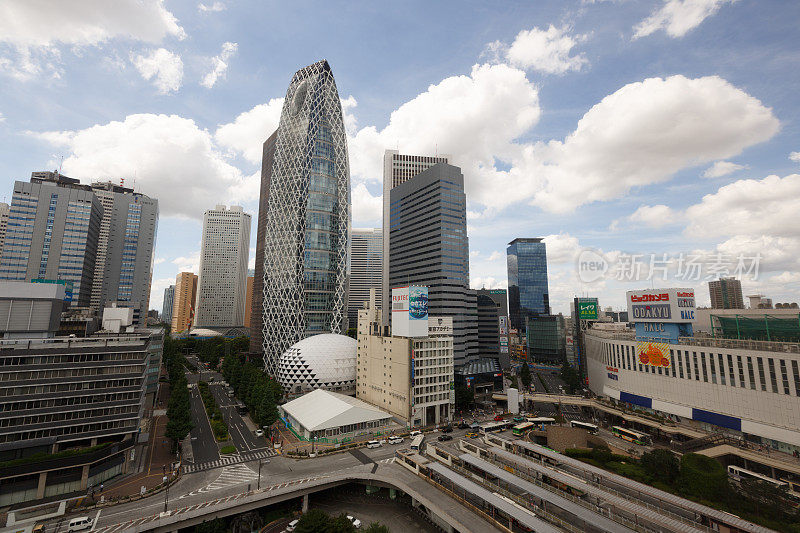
(158, 458)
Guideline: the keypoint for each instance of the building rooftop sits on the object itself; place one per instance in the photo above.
(481, 366)
(528, 239)
(322, 409)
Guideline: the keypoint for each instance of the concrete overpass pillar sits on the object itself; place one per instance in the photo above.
(85, 477)
(42, 484)
(305, 504)
(392, 493)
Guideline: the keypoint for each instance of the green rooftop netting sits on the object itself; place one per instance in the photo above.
(785, 328)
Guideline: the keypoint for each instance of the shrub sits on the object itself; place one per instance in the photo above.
(702, 477)
(661, 464)
(225, 450)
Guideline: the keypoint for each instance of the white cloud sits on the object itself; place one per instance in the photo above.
(172, 158)
(2, 118)
(157, 292)
(219, 65)
(211, 8)
(562, 248)
(163, 67)
(247, 133)
(795, 156)
(678, 17)
(722, 168)
(748, 207)
(367, 209)
(475, 118)
(547, 50)
(640, 135)
(190, 263)
(158, 260)
(653, 216)
(488, 282)
(25, 23)
(495, 255)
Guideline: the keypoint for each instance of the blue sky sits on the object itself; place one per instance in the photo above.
(629, 134)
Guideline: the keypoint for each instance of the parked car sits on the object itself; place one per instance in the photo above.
(498, 418)
(445, 437)
(395, 440)
(472, 435)
(355, 521)
(447, 429)
(292, 525)
(259, 433)
(373, 444)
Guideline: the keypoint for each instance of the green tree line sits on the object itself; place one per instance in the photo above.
(259, 392)
(178, 407)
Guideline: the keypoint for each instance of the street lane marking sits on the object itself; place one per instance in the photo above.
(94, 522)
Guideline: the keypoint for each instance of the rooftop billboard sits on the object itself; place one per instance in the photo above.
(676, 305)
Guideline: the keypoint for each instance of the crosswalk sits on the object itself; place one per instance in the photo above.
(230, 460)
(231, 475)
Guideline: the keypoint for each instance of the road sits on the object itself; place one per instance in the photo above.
(204, 445)
(243, 438)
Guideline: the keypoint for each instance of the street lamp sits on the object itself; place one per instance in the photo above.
(166, 494)
(260, 462)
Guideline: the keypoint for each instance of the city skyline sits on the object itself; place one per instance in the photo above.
(204, 105)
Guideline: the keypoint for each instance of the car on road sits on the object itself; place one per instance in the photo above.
(259, 433)
(414, 433)
(292, 525)
(472, 435)
(80, 523)
(395, 440)
(463, 425)
(447, 429)
(355, 521)
(373, 444)
(519, 419)
(38, 528)
(498, 418)
(443, 438)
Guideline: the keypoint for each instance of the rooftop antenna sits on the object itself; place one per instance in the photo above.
(60, 165)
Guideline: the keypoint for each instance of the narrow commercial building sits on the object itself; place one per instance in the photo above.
(183, 303)
(366, 270)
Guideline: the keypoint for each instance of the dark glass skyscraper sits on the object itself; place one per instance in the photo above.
(528, 294)
(306, 240)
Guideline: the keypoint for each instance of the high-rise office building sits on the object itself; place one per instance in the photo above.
(493, 325)
(53, 234)
(428, 232)
(366, 271)
(222, 282)
(257, 305)
(184, 302)
(306, 240)
(528, 294)
(726, 293)
(397, 169)
(248, 303)
(124, 265)
(166, 308)
(4, 210)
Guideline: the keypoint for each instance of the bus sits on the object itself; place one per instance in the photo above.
(739, 474)
(521, 429)
(416, 444)
(542, 421)
(636, 437)
(490, 427)
(591, 428)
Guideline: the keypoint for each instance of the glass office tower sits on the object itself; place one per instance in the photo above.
(306, 238)
(527, 281)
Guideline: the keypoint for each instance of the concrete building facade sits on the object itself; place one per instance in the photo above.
(726, 293)
(410, 378)
(30, 310)
(222, 282)
(52, 234)
(366, 271)
(183, 302)
(429, 247)
(4, 212)
(124, 260)
(493, 325)
(256, 322)
(397, 169)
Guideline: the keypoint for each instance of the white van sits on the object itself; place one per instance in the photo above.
(373, 444)
(414, 433)
(395, 440)
(80, 523)
(292, 525)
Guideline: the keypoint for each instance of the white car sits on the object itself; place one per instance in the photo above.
(373, 444)
(395, 440)
(414, 433)
(355, 521)
(259, 433)
(80, 523)
(292, 525)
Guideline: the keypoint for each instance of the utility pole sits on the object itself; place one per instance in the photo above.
(260, 462)
(166, 494)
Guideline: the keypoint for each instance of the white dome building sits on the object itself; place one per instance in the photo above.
(326, 361)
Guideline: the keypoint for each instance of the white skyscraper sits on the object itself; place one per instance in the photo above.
(222, 283)
(366, 259)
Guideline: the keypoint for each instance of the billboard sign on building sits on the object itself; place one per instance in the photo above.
(674, 305)
(588, 309)
(410, 311)
(440, 326)
(653, 353)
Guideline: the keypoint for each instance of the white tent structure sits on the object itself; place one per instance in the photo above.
(323, 413)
